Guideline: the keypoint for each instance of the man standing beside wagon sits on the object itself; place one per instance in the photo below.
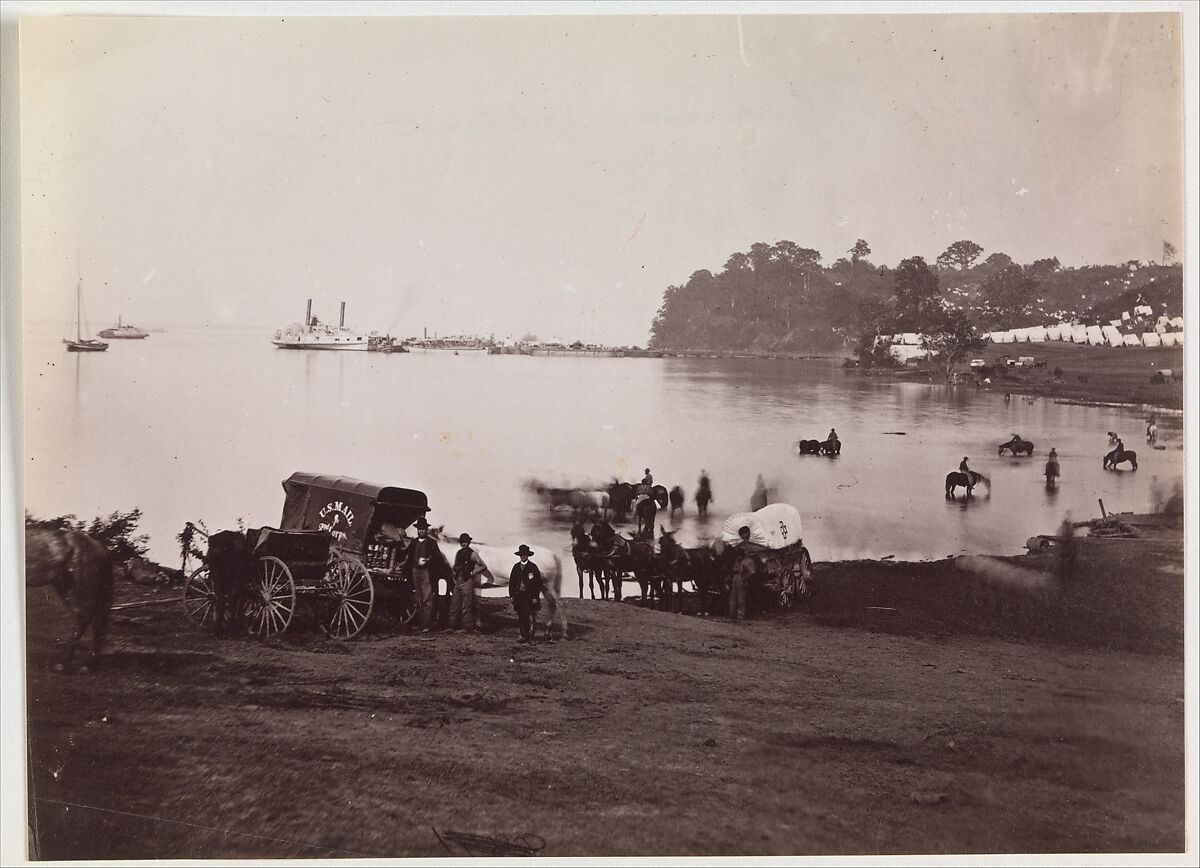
(426, 565)
(468, 566)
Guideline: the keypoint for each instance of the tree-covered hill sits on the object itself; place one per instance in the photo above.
(780, 298)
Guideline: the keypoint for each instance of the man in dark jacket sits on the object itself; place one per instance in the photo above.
(525, 587)
(425, 564)
(467, 567)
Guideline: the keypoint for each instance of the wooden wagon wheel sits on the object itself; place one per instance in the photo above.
(199, 599)
(348, 596)
(273, 599)
(796, 586)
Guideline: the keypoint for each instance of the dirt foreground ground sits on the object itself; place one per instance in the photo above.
(828, 731)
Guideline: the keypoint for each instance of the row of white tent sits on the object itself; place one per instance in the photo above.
(1108, 335)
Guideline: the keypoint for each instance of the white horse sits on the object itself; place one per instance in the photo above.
(498, 562)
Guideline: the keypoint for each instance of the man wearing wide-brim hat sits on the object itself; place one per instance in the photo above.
(525, 587)
(467, 567)
(425, 565)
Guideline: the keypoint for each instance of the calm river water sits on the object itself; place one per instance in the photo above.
(205, 424)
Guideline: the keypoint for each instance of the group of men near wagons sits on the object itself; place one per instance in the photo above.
(426, 564)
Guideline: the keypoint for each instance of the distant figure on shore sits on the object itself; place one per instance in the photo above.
(1152, 431)
(1007, 397)
(759, 499)
(704, 494)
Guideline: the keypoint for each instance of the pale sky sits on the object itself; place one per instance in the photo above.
(555, 175)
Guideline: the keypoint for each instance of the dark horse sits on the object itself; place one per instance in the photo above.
(1112, 459)
(646, 511)
(955, 479)
(622, 557)
(583, 550)
(1052, 472)
(808, 447)
(831, 447)
(620, 498)
(677, 497)
(80, 569)
(1016, 446)
(231, 572)
(697, 565)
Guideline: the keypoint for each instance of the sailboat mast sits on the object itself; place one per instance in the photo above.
(78, 305)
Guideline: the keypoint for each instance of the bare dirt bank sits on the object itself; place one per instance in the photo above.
(839, 730)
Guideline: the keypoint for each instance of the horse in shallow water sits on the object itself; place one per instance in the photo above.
(80, 570)
(831, 447)
(1112, 459)
(1016, 446)
(620, 498)
(956, 479)
(646, 511)
(677, 497)
(808, 447)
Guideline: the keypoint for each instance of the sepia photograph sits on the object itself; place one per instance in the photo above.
(586, 430)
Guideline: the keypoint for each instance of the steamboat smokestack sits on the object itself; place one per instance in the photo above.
(308, 314)
(342, 316)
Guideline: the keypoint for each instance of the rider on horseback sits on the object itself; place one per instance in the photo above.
(962, 466)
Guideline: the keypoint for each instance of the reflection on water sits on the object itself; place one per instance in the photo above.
(206, 424)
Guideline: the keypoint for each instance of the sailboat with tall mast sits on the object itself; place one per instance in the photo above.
(80, 344)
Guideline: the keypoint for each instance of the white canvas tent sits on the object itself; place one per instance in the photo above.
(1132, 341)
(1177, 322)
(1151, 339)
(1170, 339)
(1095, 336)
(904, 352)
(1079, 334)
(1002, 337)
(1113, 336)
(912, 339)
(1037, 334)
(1143, 310)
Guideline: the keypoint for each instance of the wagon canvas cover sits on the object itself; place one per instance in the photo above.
(345, 507)
(775, 526)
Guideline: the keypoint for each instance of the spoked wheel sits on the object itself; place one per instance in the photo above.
(348, 598)
(800, 587)
(273, 599)
(199, 599)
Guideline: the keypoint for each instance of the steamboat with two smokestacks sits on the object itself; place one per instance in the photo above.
(313, 334)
